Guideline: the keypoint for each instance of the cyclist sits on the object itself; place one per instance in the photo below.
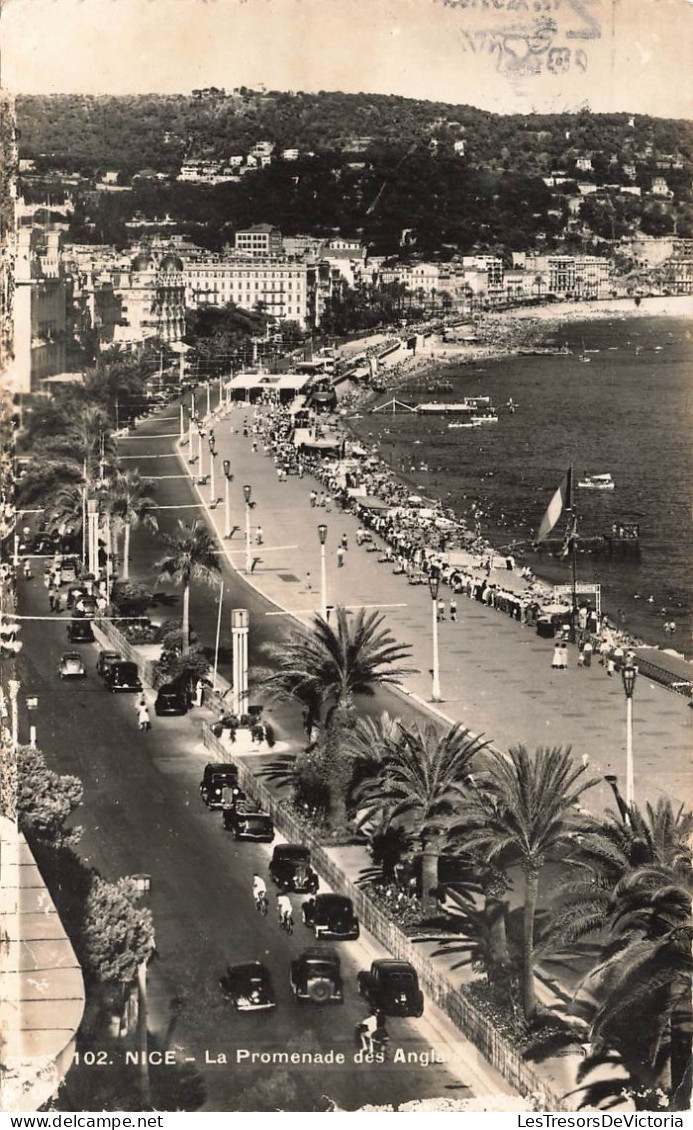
(370, 1029)
(259, 890)
(284, 910)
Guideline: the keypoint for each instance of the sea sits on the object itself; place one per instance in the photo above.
(625, 410)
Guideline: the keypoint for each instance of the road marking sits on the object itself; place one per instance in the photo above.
(264, 548)
(167, 455)
(183, 506)
(349, 608)
(156, 478)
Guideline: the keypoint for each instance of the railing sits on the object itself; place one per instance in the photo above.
(454, 1002)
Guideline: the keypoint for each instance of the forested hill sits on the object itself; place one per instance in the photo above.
(159, 131)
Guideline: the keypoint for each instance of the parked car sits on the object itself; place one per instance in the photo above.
(315, 976)
(392, 987)
(122, 676)
(105, 660)
(80, 631)
(290, 868)
(69, 571)
(171, 699)
(71, 666)
(216, 778)
(248, 987)
(247, 821)
(331, 916)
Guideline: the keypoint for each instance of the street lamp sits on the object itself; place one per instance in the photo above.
(612, 781)
(212, 457)
(433, 586)
(629, 674)
(322, 534)
(246, 494)
(228, 479)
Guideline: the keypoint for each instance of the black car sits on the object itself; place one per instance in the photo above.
(315, 976)
(331, 916)
(248, 987)
(290, 869)
(218, 780)
(80, 631)
(171, 699)
(105, 660)
(392, 987)
(122, 676)
(247, 822)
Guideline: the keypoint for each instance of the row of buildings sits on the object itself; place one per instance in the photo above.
(67, 292)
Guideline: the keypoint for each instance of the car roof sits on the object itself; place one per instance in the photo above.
(334, 900)
(392, 965)
(110, 655)
(250, 968)
(170, 688)
(72, 655)
(291, 851)
(319, 953)
(219, 766)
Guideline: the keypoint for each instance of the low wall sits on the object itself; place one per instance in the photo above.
(454, 1002)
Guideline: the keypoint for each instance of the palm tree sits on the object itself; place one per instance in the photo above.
(523, 813)
(611, 849)
(65, 512)
(421, 779)
(130, 501)
(332, 665)
(646, 970)
(192, 557)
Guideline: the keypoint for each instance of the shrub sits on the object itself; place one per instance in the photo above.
(130, 599)
(45, 799)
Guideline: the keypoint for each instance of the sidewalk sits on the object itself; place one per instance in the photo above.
(495, 673)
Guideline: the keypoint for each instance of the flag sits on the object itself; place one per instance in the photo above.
(562, 500)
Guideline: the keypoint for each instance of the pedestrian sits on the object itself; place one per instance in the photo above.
(199, 693)
(587, 652)
(313, 498)
(254, 446)
(564, 656)
(453, 611)
(51, 598)
(441, 610)
(556, 660)
(359, 536)
(340, 557)
(345, 542)
(27, 568)
(581, 658)
(58, 603)
(610, 665)
(308, 583)
(143, 716)
(259, 537)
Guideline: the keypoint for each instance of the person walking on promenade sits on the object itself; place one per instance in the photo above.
(313, 496)
(259, 536)
(587, 652)
(453, 611)
(556, 660)
(340, 557)
(441, 610)
(58, 603)
(345, 542)
(359, 536)
(51, 598)
(563, 648)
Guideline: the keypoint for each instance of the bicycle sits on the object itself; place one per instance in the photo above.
(262, 904)
(286, 922)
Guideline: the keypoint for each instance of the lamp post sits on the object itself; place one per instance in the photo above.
(322, 534)
(13, 687)
(182, 421)
(629, 674)
(212, 457)
(433, 586)
(612, 781)
(200, 470)
(228, 479)
(93, 543)
(191, 457)
(246, 494)
(209, 399)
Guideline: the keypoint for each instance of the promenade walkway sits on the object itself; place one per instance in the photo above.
(495, 673)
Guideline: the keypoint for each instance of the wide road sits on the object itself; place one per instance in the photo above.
(142, 813)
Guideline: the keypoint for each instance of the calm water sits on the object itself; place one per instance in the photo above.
(628, 412)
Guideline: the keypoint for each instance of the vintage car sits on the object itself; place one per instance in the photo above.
(80, 631)
(248, 987)
(122, 676)
(290, 869)
(171, 699)
(392, 987)
(71, 666)
(217, 779)
(106, 658)
(331, 916)
(246, 821)
(316, 977)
